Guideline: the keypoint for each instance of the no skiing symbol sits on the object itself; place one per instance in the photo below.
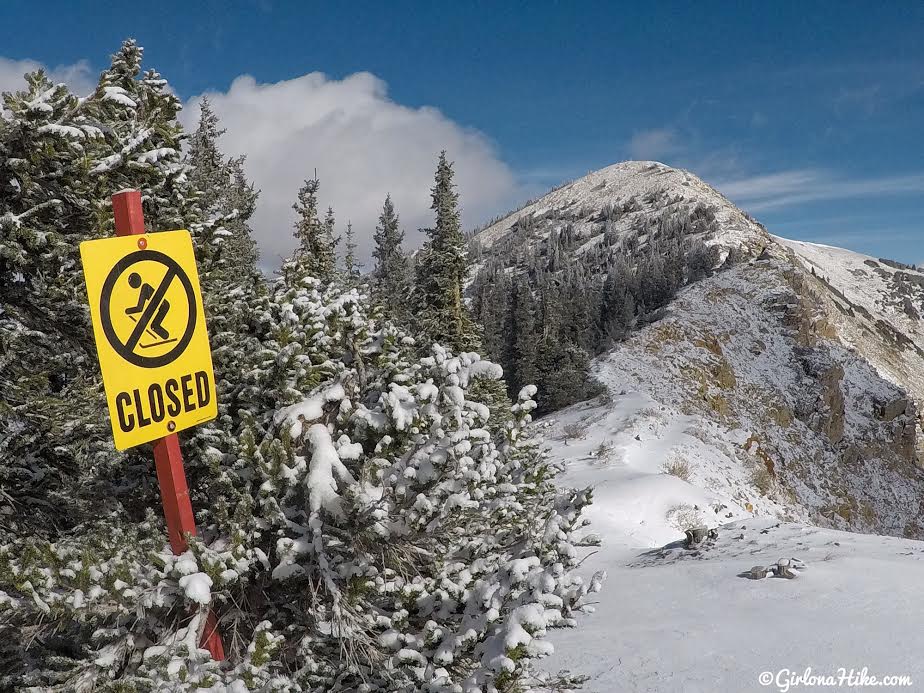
(157, 327)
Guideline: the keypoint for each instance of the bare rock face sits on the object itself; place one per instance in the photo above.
(887, 411)
(822, 406)
(832, 403)
(905, 436)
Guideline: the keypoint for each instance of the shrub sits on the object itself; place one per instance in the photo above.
(677, 467)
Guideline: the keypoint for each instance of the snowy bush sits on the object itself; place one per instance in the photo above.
(381, 538)
(677, 467)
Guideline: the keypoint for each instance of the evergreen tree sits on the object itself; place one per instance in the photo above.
(390, 276)
(355, 517)
(364, 526)
(350, 265)
(329, 240)
(49, 400)
(442, 268)
(226, 199)
(142, 144)
(314, 255)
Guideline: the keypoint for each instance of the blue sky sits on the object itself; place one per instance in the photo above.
(810, 115)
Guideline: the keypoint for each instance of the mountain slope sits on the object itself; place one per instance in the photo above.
(634, 179)
(872, 303)
(808, 389)
(774, 399)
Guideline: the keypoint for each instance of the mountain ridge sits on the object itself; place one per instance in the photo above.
(625, 180)
(797, 362)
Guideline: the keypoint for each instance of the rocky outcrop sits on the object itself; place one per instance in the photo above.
(887, 411)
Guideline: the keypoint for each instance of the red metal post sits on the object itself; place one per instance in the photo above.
(168, 460)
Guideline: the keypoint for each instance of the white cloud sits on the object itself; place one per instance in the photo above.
(800, 186)
(79, 76)
(653, 144)
(363, 146)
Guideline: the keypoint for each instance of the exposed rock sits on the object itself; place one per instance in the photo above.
(895, 264)
(758, 572)
(697, 535)
(824, 413)
(886, 411)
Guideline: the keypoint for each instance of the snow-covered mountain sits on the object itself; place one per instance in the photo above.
(797, 365)
(638, 180)
(776, 397)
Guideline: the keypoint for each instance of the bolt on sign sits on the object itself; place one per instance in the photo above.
(150, 334)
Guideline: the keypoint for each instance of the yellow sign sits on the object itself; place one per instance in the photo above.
(150, 334)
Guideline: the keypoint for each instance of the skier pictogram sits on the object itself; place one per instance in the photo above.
(156, 326)
(144, 279)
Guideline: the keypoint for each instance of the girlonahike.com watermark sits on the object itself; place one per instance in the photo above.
(787, 679)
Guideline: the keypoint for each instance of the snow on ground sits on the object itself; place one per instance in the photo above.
(871, 294)
(675, 621)
(635, 501)
(669, 619)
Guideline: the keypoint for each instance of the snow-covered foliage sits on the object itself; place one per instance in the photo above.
(368, 519)
(61, 159)
(378, 535)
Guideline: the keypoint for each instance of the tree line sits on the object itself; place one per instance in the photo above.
(551, 297)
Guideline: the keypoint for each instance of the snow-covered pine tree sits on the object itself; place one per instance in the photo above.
(315, 255)
(442, 268)
(365, 524)
(391, 283)
(63, 483)
(376, 536)
(49, 403)
(235, 291)
(225, 198)
(351, 265)
(143, 139)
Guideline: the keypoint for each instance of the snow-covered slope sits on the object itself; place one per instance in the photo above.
(675, 620)
(776, 400)
(634, 179)
(800, 362)
(876, 307)
(672, 619)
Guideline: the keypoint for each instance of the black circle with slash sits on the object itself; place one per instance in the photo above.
(153, 307)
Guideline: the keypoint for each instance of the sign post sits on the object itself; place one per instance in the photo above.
(155, 333)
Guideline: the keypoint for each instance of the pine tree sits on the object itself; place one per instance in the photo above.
(226, 200)
(327, 257)
(354, 516)
(361, 457)
(442, 269)
(48, 393)
(351, 266)
(390, 276)
(314, 255)
(142, 144)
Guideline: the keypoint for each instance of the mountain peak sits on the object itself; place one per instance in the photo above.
(653, 186)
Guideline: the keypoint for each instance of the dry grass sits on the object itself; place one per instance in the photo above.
(573, 431)
(677, 467)
(605, 451)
